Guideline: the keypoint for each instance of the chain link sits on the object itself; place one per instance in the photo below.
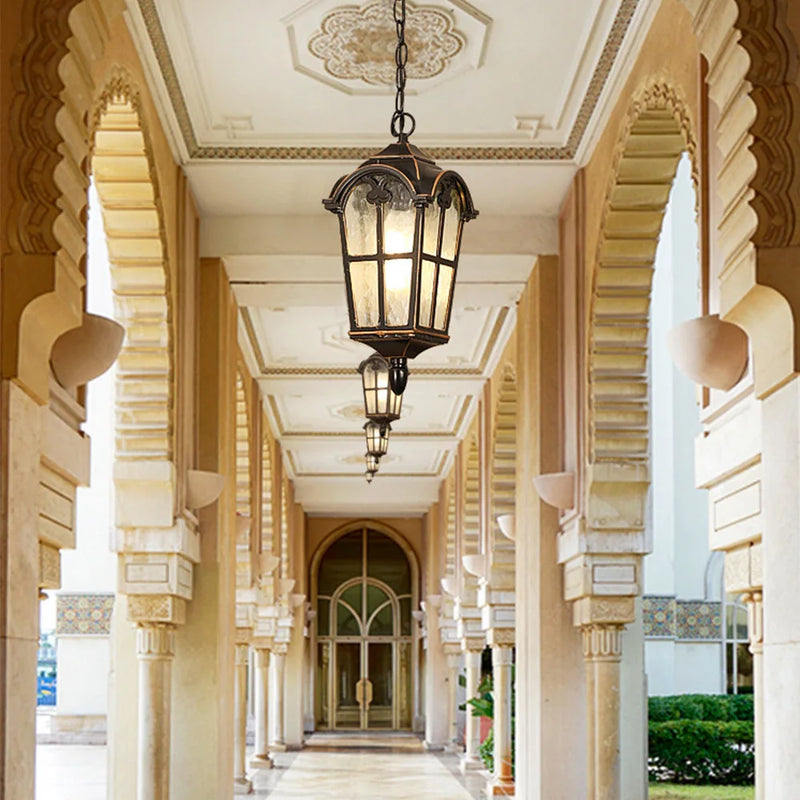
(400, 118)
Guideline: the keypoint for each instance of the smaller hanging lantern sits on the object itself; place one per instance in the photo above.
(373, 462)
(380, 402)
(377, 438)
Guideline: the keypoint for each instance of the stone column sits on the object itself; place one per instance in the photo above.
(502, 781)
(452, 745)
(261, 759)
(155, 647)
(755, 626)
(278, 742)
(241, 785)
(602, 650)
(471, 759)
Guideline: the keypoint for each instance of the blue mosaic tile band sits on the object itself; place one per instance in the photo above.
(664, 617)
(84, 614)
(697, 619)
(658, 614)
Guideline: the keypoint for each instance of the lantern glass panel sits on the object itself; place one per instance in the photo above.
(399, 217)
(361, 222)
(426, 293)
(364, 285)
(372, 463)
(452, 222)
(443, 297)
(431, 230)
(397, 290)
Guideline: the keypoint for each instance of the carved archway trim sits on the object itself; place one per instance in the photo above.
(124, 174)
(504, 468)
(658, 129)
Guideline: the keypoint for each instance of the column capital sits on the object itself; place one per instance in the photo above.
(280, 649)
(502, 655)
(242, 652)
(155, 609)
(602, 642)
(155, 641)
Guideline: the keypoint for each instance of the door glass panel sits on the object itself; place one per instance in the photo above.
(346, 623)
(381, 674)
(405, 616)
(323, 616)
(387, 562)
(375, 597)
(382, 622)
(348, 673)
(353, 597)
(341, 563)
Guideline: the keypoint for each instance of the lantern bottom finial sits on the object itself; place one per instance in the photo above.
(398, 374)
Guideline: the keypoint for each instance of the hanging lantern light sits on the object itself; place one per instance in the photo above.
(373, 462)
(380, 402)
(377, 438)
(400, 222)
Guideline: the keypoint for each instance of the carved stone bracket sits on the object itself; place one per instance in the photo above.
(152, 609)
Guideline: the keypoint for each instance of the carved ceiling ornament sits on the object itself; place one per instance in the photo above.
(359, 43)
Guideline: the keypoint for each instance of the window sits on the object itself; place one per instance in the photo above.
(738, 658)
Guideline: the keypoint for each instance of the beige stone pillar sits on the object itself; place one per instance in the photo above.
(471, 759)
(501, 783)
(278, 687)
(452, 745)
(261, 759)
(241, 785)
(755, 626)
(155, 648)
(602, 649)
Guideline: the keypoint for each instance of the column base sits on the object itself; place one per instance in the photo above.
(432, 747)
(277, 747)
(469, 764)
(453, 747)
(499, 788)
(261, 762)
(242, 786)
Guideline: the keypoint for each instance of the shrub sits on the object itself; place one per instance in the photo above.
(486, 751)
(706, 707)
(702, 751)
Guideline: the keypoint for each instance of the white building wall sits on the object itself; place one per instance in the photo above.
(679, 661)
(90, 569)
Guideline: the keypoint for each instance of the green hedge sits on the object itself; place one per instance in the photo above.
(707, 707)
(699, 738)
(700, 751)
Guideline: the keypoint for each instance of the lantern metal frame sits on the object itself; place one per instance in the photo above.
(405, 165)
(373, 463)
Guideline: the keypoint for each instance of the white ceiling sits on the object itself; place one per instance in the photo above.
(264, 128)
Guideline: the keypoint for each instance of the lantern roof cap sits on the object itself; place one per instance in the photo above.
(406, 162)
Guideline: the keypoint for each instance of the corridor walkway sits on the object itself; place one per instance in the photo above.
(373, 767)
(335, 767)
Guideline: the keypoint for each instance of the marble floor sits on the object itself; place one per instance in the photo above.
(340, 767)
(368, 767)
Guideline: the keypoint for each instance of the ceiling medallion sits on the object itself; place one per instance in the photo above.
(359, 43)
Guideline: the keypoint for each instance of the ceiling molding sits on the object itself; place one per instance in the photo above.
(566, 152)
(347, 372)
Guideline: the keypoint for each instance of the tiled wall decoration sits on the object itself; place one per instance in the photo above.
(84, 614)
(658, 613)
(666, 617)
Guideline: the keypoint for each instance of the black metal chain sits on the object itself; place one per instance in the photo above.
(401, 118)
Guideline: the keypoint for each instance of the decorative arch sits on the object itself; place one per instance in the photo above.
(450, 533)
(657, 131)
(124, 173)
(244, 510)
(504, 462)
(471, 526)
(358, 525)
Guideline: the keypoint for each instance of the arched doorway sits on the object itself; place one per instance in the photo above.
(365, 592)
